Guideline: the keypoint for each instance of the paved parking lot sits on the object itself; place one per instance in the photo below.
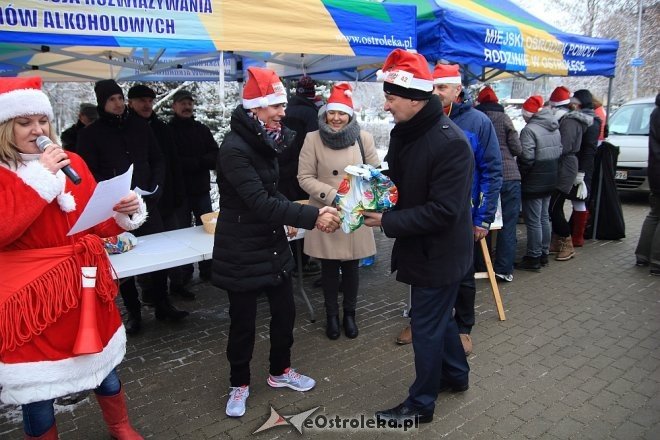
(577, 357)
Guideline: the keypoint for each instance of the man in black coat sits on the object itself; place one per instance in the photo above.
(198, 152)
(432, 165)
(110, 146)
(86, 116)
(141, 104)
(648, 247)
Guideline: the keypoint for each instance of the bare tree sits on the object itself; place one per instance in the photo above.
(617, 20)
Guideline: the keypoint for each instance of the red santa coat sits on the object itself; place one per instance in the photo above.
(40, 296)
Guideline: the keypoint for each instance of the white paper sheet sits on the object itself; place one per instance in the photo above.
(106, 195)
(143, 192)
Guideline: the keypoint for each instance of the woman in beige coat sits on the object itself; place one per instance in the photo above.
(324, 156)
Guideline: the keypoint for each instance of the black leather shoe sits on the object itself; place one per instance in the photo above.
(133, 323)
(403, 412)
(182, 292)
(350, 327)
(166, 310)
(332, 327)
(453, 387)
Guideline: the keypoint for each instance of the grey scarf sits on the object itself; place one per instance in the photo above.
(338, 140)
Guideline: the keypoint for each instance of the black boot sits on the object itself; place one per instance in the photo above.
(350, 327)
(134, 322)
(182, 292)
(165, 310)
(332, 326)
(532, 264)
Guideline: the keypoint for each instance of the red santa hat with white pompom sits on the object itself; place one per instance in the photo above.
(23, 97)
(341, 98)
(263, 88)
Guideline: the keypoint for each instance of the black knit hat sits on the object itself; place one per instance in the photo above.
(306, 87)
(583, 98)
(141, 91)
(104, 89)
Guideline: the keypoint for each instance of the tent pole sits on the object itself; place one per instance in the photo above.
(221, 80)
(594, 230)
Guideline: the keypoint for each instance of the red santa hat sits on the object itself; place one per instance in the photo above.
(23, 97)
(446, 74)
(341, 98)
(532, 106)
(406, 74)
(487, 94)
(560, 96)
(263, 88)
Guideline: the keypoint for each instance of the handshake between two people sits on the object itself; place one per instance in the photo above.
(327, 221)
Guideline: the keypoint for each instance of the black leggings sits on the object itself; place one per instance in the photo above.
(242, 330)
(559, 224)
(330, 283)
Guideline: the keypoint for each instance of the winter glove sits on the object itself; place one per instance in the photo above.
(581, 186)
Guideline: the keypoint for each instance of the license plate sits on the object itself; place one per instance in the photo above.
(621, 175)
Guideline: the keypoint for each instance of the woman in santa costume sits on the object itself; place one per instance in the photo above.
(42, 285)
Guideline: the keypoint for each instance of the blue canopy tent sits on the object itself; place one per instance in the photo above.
(496, 36)
(488, 39)
(186, 39)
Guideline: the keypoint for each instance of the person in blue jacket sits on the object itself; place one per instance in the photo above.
(485, 186)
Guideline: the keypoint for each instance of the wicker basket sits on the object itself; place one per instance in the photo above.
(209, 221)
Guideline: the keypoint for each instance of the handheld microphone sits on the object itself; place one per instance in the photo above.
(42, 143)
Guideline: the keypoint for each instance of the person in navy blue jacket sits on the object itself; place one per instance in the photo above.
(485, 186)
(431, 164)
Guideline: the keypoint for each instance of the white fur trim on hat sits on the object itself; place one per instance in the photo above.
(265, 101)
(558, 103)
(407, 80)
(448, 80)
(24, 102)
(338, 106)
(134, 221)
(28, 382)
(45, 183)
(527, 114)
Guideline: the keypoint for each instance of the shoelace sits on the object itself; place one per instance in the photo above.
(237, 394)
(292, 375)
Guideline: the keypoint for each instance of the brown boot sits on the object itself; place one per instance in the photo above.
(405, 337)
(51, 434)
(115, 415)
(579, 223)
(554, 244)
(566, 250)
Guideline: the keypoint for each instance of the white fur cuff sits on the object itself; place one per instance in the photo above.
(45, 183)
(134, 221)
